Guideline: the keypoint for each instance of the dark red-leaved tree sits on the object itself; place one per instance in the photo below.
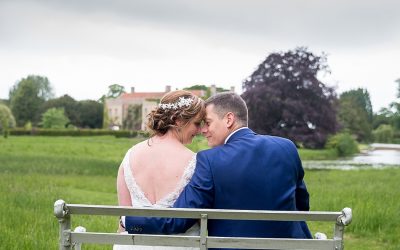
(286, 99)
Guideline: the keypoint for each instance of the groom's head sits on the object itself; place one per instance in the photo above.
(226, 112)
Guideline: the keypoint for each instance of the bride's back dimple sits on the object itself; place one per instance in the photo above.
(158, 169)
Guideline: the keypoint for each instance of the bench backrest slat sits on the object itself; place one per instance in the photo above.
(211, 213)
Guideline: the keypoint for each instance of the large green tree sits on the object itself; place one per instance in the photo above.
(27, 96)
(82, 114)
(90, 114)
(69, 104)
(285, 98)
(355, 113)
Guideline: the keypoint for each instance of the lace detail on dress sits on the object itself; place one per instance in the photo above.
(137, 195)
(170, 199)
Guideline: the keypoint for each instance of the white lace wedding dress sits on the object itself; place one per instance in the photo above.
(139, 200)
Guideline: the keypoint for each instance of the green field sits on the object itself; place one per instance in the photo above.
(36, 171)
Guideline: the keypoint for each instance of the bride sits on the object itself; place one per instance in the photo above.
(154, 172)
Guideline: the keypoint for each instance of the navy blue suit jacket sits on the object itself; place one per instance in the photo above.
(250, 171)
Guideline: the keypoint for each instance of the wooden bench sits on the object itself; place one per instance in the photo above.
(69, 239)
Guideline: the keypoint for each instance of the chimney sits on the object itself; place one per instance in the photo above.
(233, 89)
(213, 90)
(132, 89)
(168, 88)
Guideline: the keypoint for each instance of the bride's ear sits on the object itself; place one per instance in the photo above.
(179, 123)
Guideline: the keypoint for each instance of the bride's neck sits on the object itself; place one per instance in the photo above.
(169, 137)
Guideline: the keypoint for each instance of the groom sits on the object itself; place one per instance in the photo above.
(243, 170)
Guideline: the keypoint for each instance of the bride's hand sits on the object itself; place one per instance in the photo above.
(121, 228)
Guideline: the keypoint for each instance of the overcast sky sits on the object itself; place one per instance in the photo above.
(83, 46)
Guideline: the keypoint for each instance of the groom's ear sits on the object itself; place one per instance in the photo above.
(230, 119)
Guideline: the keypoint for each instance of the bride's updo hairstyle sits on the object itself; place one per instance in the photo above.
(179, 105)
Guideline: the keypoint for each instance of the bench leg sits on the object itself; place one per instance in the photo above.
(64, 219)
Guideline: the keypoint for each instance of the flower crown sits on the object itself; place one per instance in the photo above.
(182, 102)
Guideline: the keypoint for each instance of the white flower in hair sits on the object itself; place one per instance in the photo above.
(182, 102)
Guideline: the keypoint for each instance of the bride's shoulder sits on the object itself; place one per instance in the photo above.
(190, 154)
(138, 146)
(141, 144)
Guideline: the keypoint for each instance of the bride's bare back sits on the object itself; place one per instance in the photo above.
(157, 166)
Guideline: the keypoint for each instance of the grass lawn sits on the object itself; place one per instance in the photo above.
(36, 171)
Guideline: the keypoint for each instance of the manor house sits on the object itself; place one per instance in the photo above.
(142, 102)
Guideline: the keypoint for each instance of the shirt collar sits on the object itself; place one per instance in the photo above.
(229, 136)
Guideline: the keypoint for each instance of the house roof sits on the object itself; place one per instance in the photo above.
(142, 95)
(158, 95)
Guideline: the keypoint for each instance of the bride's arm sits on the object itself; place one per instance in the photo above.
(124, 198)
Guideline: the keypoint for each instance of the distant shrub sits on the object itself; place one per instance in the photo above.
(125, 133)
(343, 143)
(384, 133)
(20, 131)
(142, 133)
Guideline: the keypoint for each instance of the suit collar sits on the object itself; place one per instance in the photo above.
(238, 133)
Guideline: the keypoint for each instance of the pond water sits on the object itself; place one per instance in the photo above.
(380, 156)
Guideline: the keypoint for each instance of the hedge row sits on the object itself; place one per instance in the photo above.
(78, 132)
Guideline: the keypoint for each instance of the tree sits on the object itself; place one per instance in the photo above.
(362, 99)
(6, 120)
(285, 98)
(69, 104)
(355, 113)
(386, 122)
(398, 87)
(54, 118)
(115, 90)
(27, 96)
(5, 102)
(383, 116)
(206, 89)
(396, 105)
(90, 114)
(197, 87)
(384, 134)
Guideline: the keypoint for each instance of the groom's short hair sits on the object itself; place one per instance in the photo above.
(229, 102)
